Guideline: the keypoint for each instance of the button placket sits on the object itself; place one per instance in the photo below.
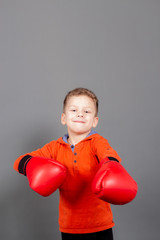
(75, 160)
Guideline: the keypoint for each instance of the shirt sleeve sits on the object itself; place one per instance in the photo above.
(102, 149)
(47, 151)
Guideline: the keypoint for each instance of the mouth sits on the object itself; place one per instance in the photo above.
(79, 121)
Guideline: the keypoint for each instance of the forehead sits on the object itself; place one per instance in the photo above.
(81, 100)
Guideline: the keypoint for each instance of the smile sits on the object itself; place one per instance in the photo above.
(79, 121)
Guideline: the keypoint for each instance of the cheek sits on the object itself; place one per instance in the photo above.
(91, 122)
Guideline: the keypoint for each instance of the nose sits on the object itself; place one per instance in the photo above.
(80, 114)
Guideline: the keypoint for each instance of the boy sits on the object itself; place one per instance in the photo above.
(72, 164)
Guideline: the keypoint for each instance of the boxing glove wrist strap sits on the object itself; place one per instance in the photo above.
(108, 159)
(113, 159)
(23, 164)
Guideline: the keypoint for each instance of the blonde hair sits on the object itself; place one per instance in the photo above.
(81, 92)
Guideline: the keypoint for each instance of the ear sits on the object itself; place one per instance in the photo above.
(63, 119)
(95, 122)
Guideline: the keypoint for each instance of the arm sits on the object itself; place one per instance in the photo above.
(47, 151)
(101, 149)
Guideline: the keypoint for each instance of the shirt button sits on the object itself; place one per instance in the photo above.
(72, 146)
(75, 154)
(75, 161)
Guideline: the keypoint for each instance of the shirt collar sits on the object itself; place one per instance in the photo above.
(66, 136)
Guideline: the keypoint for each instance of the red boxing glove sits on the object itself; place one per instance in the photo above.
(113, 184)
(44, 175)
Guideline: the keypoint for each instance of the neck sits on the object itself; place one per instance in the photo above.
(74, 138)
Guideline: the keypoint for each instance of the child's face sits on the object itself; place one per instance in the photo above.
(79, 115)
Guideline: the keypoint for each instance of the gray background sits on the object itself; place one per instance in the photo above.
(46, 49)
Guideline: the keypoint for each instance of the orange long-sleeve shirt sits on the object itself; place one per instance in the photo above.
(80, 211)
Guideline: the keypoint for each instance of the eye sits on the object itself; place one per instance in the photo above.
(87, 111)
(73, 110)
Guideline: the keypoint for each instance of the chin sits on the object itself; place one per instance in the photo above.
(82, 132)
